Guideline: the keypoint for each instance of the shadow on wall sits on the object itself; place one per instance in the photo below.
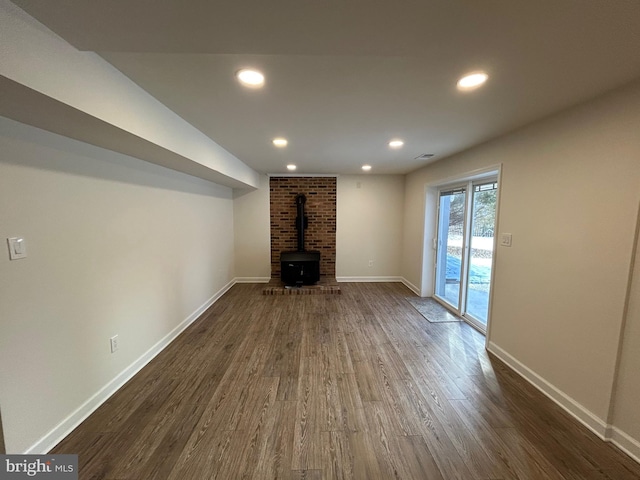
(2, 447)
(138, 172)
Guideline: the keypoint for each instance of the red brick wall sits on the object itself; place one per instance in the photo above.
(321, 211)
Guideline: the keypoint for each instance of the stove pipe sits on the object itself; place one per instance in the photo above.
(301, 220)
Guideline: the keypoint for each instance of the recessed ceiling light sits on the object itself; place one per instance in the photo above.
(472, 80)
(366, 168)
(250, 78)
(291, 167)
(280, 142)
(396, 143)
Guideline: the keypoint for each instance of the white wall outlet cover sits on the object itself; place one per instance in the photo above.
(17, 248)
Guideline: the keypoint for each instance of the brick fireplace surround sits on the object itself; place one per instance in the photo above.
(320, 210)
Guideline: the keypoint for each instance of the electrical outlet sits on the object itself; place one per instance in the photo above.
(371, 263)
(114, 343)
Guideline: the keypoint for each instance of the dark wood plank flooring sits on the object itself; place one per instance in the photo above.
(357, 385)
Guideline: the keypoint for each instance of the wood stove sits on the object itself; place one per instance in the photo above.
(301, 267)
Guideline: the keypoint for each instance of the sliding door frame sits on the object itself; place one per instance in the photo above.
(432, 199)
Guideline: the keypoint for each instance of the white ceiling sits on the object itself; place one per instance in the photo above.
(343, 77)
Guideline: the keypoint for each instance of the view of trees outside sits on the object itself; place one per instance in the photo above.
(484, 214)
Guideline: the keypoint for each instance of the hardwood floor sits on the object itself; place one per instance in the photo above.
(357, 385)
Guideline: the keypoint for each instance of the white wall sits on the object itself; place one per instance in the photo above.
(369, 226)
(569, 195)
(252, 230)
(115, 246)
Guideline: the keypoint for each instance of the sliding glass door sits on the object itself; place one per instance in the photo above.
(464, 249)
(450, 243)
(483, 220)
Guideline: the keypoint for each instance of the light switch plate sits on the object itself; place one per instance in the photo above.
(114, 344)
(505, 239)
(17, 248)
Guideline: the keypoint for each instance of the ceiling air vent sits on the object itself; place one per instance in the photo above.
(424, 156)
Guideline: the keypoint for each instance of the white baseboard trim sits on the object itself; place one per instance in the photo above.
(624, 442)
(576, 410)
(66, 426)
(368, 279)
(252, 279)
(402, 280)
(411, 286)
